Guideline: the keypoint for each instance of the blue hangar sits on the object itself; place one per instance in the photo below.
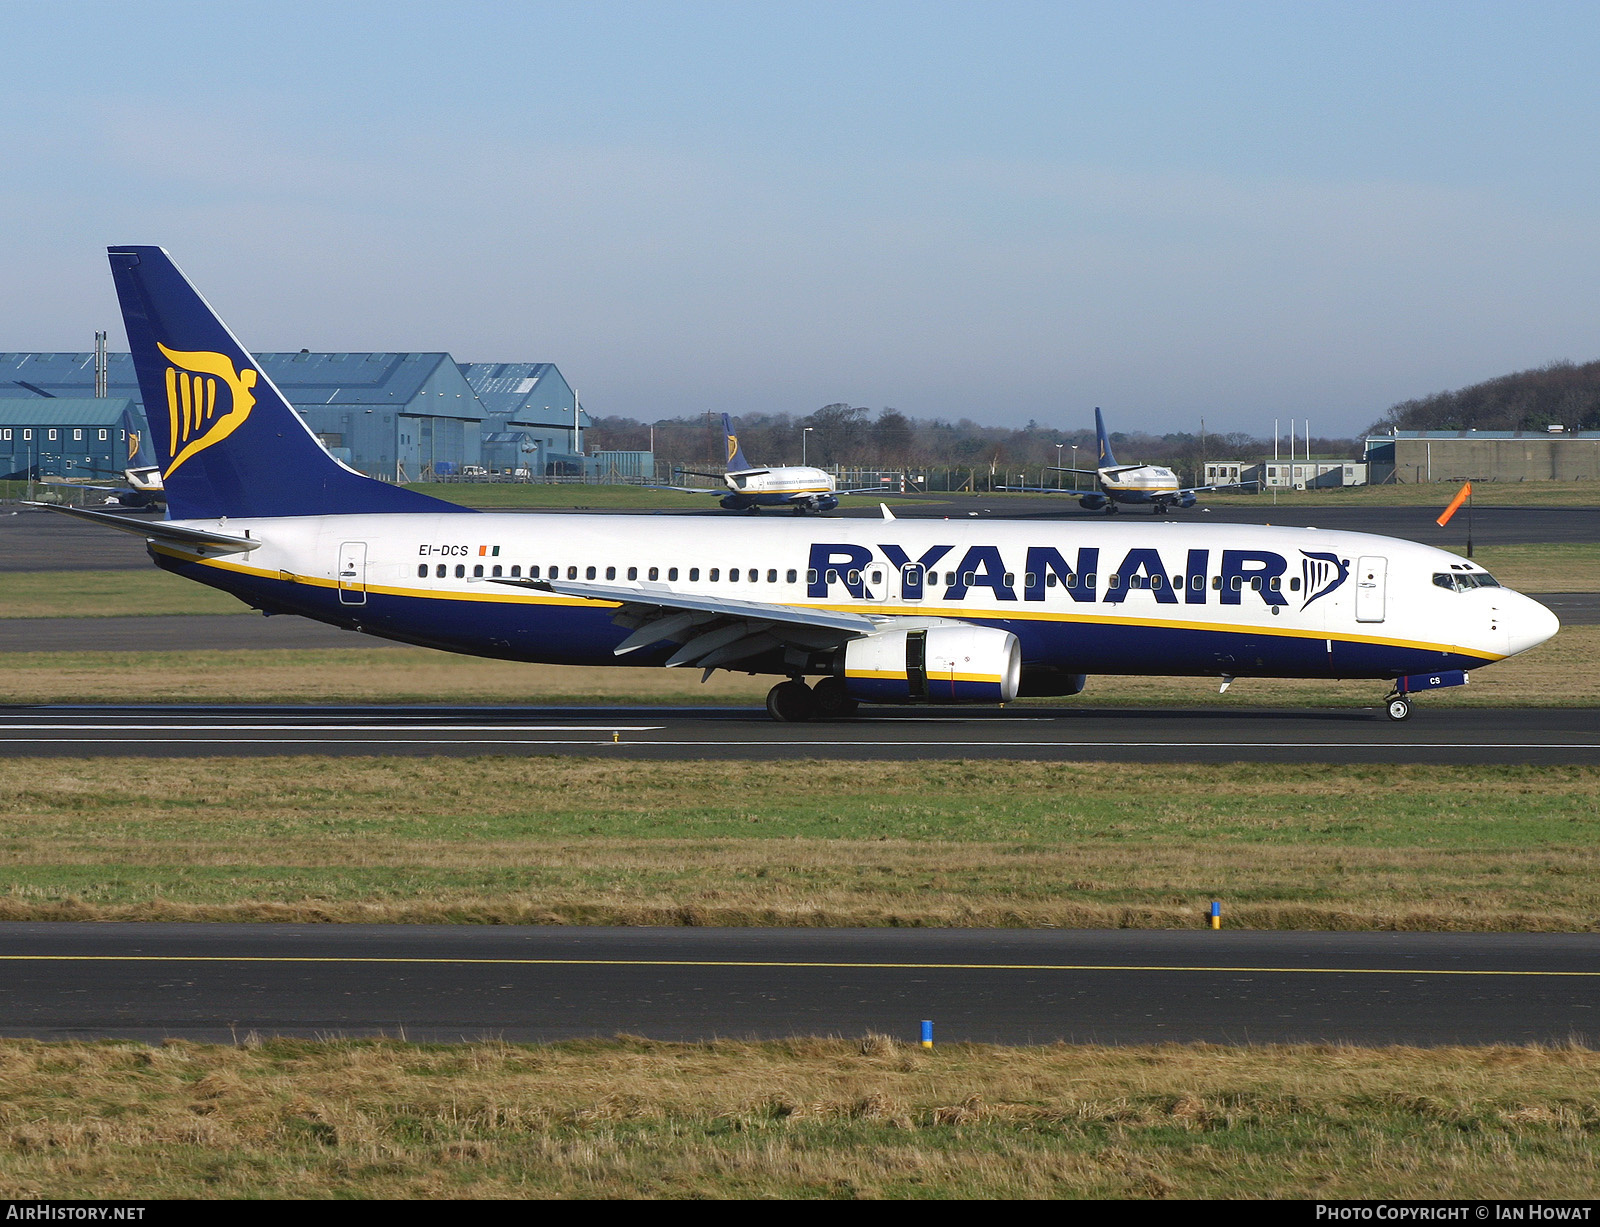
(396, 416)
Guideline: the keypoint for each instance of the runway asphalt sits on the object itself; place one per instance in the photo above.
(219, 983)
(1529, 736)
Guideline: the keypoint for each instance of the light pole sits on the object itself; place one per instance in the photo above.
(804, 431)
(1059, 446)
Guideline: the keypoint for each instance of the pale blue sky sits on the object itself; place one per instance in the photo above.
(1002, 211)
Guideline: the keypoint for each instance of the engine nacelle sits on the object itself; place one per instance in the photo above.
(1093, 502)
(939, 664)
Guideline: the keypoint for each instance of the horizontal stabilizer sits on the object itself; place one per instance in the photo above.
(159, 530)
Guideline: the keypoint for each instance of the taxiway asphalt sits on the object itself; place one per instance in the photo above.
(221, 982)
(1529, 736)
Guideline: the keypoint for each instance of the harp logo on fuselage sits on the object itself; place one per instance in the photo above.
(207, 400)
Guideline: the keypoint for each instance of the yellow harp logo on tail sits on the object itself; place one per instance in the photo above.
(196, 416)
(733, 447)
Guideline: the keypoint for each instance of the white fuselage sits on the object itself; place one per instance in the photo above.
(1154, 598)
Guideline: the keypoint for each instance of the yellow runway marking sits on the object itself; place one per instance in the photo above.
(758, 963)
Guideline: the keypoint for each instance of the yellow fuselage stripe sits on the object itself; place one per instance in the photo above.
(905, 610)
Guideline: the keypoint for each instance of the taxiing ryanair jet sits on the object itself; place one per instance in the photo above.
(894, 611)
(800, 488)
(1149, 485)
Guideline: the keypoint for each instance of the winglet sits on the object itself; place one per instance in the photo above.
(887, 514)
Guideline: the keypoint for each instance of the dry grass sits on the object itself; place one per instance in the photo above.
(871, 1118)
(1563, 672)
(496, 840)
(109, 594)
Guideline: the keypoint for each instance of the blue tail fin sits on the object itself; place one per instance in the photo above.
(1106, 458)
(736, 461)
(227, 441)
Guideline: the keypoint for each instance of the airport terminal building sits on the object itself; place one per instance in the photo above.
(397, 416)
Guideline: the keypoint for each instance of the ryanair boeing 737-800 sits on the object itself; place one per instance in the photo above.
(895, 611)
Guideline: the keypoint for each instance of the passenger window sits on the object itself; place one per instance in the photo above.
(694, 575)
(495, 571)
(1114, 581)
(852, 578)
(654, 573)
(733, 575)
(1275, 583)
(877, 577)
(1255, 583)
(533, 572)
(772, 575)
(516, 571)
(1089, 581)
(1294, 584)
(440, 571)
(672, 574)
(611, 573)
(833, 576)
(633, 572)
(461, 571)
(422, 571)
(712, 578)
(588, 573)
(1216, 583)
(1198, 583)
(1071, 581)
(811, 576)
(477, 571)
(1237, 583)
(790, 575)
(1177, 583)
(572, 572)
(1011, 580)
(967, 578)
(1050, 580)
(1027, 580)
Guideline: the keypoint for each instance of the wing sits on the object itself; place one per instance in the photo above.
(712, 633)
(688, 489)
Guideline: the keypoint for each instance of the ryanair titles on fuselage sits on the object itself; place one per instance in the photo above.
(1044, 567)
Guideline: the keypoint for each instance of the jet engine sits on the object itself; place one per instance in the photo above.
(938, 664)
(1093, 502)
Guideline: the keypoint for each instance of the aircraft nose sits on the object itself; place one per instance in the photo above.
(1530, 624)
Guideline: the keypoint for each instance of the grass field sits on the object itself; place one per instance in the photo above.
(1563, 672)
(514, 840)
(827, 1119)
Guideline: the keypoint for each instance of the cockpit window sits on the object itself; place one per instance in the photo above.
(1460, 581)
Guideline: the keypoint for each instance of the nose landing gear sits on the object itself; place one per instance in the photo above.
(1398, 707)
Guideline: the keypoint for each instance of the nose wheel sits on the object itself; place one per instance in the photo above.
(1398, 707)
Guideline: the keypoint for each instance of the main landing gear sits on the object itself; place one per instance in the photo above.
(793, 702)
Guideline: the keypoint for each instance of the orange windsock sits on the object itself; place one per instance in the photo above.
(1455, 504)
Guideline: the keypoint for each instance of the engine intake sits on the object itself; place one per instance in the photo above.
(939, 664)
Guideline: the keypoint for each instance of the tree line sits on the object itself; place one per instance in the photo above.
(1558, 394)
(851, 436)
